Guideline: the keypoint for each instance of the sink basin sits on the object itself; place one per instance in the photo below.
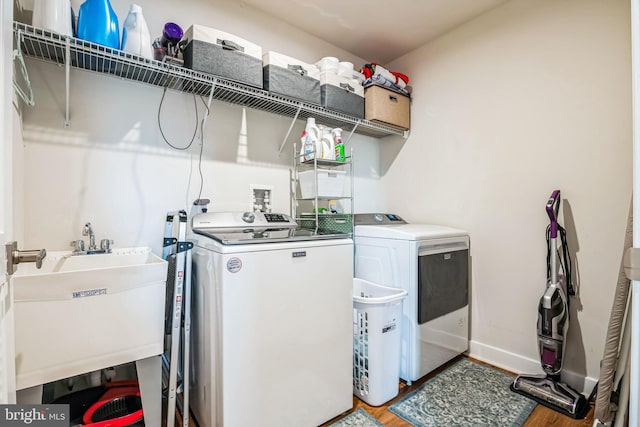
(82, 313)
(64, 261)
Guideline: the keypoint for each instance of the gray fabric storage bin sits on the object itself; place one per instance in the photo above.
(283, 75)
(342, 94)
(221, 54)
(283, 81)
(342, 100)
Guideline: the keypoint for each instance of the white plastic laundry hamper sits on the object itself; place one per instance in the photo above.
(377, 328)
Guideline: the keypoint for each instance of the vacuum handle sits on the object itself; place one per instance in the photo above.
(553, 206)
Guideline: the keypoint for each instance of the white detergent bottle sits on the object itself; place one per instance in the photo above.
(135, 34)
(53, 15)
(310, 140)
(328, 149)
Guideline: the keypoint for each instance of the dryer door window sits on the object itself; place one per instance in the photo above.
(443, 283)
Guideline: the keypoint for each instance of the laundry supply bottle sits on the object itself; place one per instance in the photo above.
(98, 23)
(135, 34)
(338, 145)
(310, 140)
(53, 15)
(326, 140)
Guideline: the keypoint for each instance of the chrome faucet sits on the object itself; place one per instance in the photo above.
(78, 245)
(88, 231)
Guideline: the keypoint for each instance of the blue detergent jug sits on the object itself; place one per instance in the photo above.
(98, 23)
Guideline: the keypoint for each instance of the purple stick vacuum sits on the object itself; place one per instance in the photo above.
(553, 324)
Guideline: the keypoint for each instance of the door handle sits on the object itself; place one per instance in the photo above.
(15, 257)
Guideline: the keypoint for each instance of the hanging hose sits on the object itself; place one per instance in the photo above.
(605, 410)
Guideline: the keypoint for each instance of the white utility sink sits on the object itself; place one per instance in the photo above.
(82, 313)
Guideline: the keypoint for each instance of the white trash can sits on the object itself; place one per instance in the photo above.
(377, 329)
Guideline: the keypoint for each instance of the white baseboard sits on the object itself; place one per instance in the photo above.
(522, 365)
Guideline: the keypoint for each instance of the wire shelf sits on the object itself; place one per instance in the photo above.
(324, 162)
(52, 47)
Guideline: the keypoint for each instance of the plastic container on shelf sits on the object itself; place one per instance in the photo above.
(331, 183)
(377, 330)
(135, 34)
(53, 15)
(327, 144)
(345, 69)
(329, 64)
(327, 222)
(98, 23)
(310, 140)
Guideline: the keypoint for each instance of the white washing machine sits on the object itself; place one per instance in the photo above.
(431, 262)
(272, 322)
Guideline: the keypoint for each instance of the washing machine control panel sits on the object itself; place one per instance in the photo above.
(388, 217)
(276, 217)
(241, 220)
(378, 219)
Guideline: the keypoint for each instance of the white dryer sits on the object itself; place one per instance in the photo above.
(431, 263)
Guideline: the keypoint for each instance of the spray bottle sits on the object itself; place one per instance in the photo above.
(310, 140)
(339, 145)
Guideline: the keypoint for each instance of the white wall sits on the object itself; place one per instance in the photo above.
(111, 167)
(530, 97)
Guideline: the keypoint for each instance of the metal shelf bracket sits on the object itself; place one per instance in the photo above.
(286, 137)
(67, 78)
(352, 132)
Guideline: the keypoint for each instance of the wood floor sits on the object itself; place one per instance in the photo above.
(540, 417)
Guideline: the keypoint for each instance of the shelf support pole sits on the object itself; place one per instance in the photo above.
(284, 141)
(67, 74)
(213, 88)
(352, 131)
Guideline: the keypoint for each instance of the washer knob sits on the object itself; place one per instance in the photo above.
(248, 217)
(378, 217)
